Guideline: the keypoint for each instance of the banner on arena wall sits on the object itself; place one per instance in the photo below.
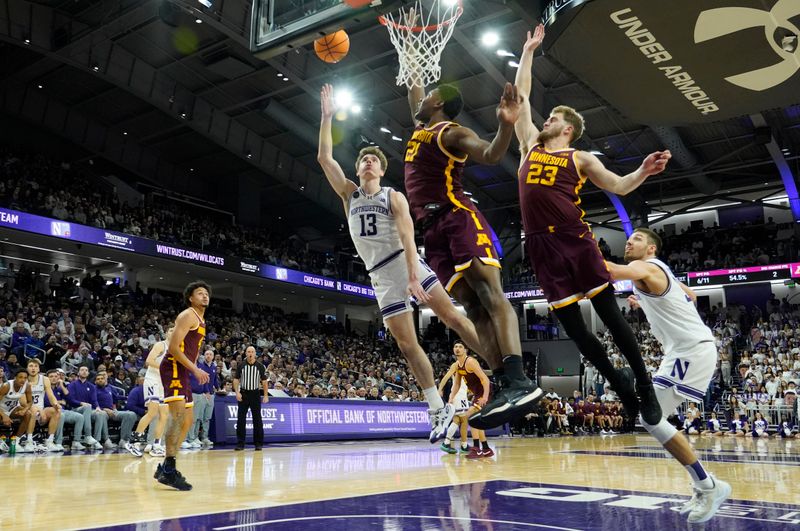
(683, 61)
(309, 419)
(106, 238)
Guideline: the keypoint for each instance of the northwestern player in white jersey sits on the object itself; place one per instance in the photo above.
(39, 385)
(15, 404)
(462, 404)
(383, 233)
(154, 399)
(690, 358)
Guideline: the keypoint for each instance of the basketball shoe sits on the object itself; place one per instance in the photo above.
(440, 421)
(707, 502)
(513, 399)
(625, 387)
(648, 403)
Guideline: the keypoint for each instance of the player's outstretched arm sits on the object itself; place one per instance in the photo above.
(464, 140)
(527, 133)
(605, 179)
(475, 367)
(636, 270)
(405, 229)
(340, 184)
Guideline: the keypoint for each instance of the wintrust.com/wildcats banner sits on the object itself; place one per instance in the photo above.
(681, 61)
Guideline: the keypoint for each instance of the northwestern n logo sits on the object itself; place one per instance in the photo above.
(679, 369)
(715, 23)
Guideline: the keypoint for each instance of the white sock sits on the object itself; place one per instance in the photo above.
(451, 431)
(432, 398)
(50, 439)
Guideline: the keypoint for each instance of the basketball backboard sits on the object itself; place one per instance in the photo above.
(278, 26)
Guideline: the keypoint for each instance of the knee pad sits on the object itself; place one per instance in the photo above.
(663, 431)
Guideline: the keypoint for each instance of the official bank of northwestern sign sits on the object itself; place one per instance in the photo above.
(682, 61)
(126, 242)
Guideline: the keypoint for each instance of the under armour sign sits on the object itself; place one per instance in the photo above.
(683, 61)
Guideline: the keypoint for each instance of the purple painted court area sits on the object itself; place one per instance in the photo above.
(493, 505)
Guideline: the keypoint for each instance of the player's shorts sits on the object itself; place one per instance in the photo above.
(390, 283)
(153, 388)
(687, 374)
(175, 381)
(462, 404)
(568, 265)
(453, 239)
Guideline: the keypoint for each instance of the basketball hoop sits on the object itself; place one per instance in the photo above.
(420, 47)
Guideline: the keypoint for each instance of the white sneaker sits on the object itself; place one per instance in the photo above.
(52, 447)
(208, 444)
(185, 445)
(77, 446)
(158, 451)
(133, 448)
(3, 447)
(60, 447)
(440, 421)
(603, 432)
(90, 442)
(195, 444)
(25, 448)
(109, 444)
(708, 501)
(148, 447)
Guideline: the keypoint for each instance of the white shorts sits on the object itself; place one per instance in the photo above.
(687, 374)
(390, 283)
(153, 388)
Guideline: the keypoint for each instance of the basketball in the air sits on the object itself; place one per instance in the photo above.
(357, 3)
(332, 48)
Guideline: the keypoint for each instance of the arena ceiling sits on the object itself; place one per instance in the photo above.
(187, 106)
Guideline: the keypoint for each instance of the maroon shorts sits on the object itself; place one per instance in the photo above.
(568, 265)
(453, 239)
(175, 379)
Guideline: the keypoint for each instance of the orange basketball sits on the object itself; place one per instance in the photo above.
(357, 3)
(334, 47)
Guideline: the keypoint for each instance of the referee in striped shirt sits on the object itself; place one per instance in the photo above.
(250, 383)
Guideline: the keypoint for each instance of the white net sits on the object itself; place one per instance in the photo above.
(419, 34)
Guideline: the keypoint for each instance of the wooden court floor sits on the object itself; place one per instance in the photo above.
(528, 479)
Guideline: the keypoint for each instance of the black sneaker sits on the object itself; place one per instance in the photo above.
(649, 406)
(258, 448)
(625, 387)
(159, 471)
(513, 399)
(174, 479)
(239, 447)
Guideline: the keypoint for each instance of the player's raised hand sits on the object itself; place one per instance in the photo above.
(326, 100)
(656, 162)
(633, 302)
(510, 105)
(535, 40)
(417, 291)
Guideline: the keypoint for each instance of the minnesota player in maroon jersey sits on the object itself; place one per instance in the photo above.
(184, 347)
(468, 371)
(565, 257)
(458, 239)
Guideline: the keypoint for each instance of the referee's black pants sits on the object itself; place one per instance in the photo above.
(250, 400)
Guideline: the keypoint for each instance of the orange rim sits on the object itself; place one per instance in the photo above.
(417, 29)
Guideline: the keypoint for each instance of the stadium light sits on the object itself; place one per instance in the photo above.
(504, 53)
(490, 38)
(343, 98)
(207, 3)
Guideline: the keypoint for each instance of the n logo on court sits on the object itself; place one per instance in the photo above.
(722, 21)
(679, 369)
